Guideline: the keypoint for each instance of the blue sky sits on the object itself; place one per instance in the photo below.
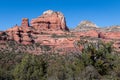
(101, 12)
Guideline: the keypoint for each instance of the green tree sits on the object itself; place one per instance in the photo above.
(31, 68)
(98, 55)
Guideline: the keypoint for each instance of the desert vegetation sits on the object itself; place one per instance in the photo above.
(62, 36)
(96, 61)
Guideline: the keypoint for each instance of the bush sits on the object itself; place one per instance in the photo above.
(98, 55)
(96, 61)
(31, 68)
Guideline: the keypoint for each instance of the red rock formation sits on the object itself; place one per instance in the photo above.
(3, 36)
(25, 22)
(101, 35)
(50, 21)
(43, 28)
(90, 33)
(109, 35)
(117, 45)
(20, 34)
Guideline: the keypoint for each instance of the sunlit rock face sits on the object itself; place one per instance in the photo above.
(20, 34)
(25, 22)
(86, 26)
(50, 20)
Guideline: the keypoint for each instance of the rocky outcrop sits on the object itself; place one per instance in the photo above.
(25, 22)
(20, 34)
(86, 26)
(109, 35)
(112, 29)
(50, 20)
(49, 23)
(89, 29)
(0, 33)
(50, 29)
(90, 33)
(3, 36)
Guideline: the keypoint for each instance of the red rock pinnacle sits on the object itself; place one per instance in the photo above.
(25, 22)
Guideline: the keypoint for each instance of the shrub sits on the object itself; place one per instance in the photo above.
(99, 55)
(31, 68)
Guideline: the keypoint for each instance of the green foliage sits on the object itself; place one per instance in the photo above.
(45, 48)
(54, 35)
(117, 65)
(31, 68)
(99, 55)
(64, 67)
(96, 61)
(5, 75)
(62, 36)
(8, 60)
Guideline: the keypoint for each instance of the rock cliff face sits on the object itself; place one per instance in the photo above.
(50, 20)
(48, 23)
(20, 34)
(25, 22)
(50, 29)
(109, 34)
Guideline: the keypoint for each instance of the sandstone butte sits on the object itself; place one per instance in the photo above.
(50, 29)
